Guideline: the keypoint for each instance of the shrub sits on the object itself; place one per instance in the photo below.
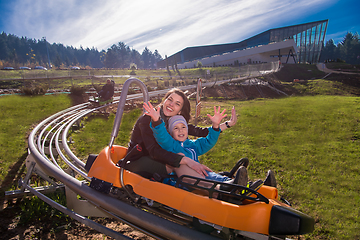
(33, 90)
(77, 90)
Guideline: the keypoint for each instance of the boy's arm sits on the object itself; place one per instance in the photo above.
(204, 144)
(163, 138)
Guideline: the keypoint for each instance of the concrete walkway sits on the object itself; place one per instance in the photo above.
(322, 67)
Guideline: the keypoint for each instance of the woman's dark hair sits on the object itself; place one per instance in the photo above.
(185, 110)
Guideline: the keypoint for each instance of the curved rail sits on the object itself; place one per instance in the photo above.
(54, 131)
(49, 140)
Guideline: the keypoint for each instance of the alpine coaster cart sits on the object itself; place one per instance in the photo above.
(255, 215)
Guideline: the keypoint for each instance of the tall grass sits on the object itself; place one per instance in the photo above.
(313, 144)
(17, 116)
(96, 135)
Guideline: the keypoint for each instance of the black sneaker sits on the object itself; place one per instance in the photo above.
(270, 179)
(242, 162)
(241, 177)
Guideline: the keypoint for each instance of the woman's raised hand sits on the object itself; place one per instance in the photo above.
(151, 111)
(218, 116)
(233, 118)
(231, 122)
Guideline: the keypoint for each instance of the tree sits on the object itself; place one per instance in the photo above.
(167, 65)
(31, 51)
(57, 61)
(67, 61)
(146, 57)
(157, 56)
(135, 57)
(349, 48)
(329, 51)
(75, 61)
(110, 57)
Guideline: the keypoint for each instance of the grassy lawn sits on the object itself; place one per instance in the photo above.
(311, 142)
(152, 78)
(343, 66)
(17, 115)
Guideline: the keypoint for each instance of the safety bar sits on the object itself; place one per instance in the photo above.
(120, 109)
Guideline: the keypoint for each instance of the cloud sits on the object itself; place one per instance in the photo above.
(166, 25)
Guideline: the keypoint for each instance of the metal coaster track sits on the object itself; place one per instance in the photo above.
(53, 131)
(50, 139)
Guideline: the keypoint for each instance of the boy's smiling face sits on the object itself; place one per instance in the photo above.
(180, 132)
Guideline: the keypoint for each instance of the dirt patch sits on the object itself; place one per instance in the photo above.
(67, 230)
(289, 72)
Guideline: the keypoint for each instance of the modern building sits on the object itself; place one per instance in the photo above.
(300, 43)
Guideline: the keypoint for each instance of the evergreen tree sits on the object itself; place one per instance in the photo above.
(329, 51)
(349, 48)
(146, 56)
(57, 61)
(31, 52)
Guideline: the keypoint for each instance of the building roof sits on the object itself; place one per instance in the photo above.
(313, 33)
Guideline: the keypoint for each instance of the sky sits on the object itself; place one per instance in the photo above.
(168, 26)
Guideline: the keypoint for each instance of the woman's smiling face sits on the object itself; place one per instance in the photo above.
(173, 105)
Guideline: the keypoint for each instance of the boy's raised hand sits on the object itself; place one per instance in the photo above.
(151, 111)
(216, 119)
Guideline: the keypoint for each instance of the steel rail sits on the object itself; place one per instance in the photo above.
(147, 221)
(60, 124)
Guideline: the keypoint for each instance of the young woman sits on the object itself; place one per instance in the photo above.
(155, 159)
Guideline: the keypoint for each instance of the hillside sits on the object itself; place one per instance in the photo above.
(308, 81)
(308, 84)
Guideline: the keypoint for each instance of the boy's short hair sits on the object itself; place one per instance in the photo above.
(174, 120)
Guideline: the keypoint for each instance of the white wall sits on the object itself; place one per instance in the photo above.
(258, 54)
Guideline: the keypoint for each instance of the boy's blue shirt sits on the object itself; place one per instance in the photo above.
(191, 148)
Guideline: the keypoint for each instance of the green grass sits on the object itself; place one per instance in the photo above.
(323, 87)
(96, 135)
(312, 144)
(152, 78)
(17, 116)
(343, 66)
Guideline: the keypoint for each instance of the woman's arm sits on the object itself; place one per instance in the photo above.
(231, 122)
(198, 167)
(204, 144)
(197, 131)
